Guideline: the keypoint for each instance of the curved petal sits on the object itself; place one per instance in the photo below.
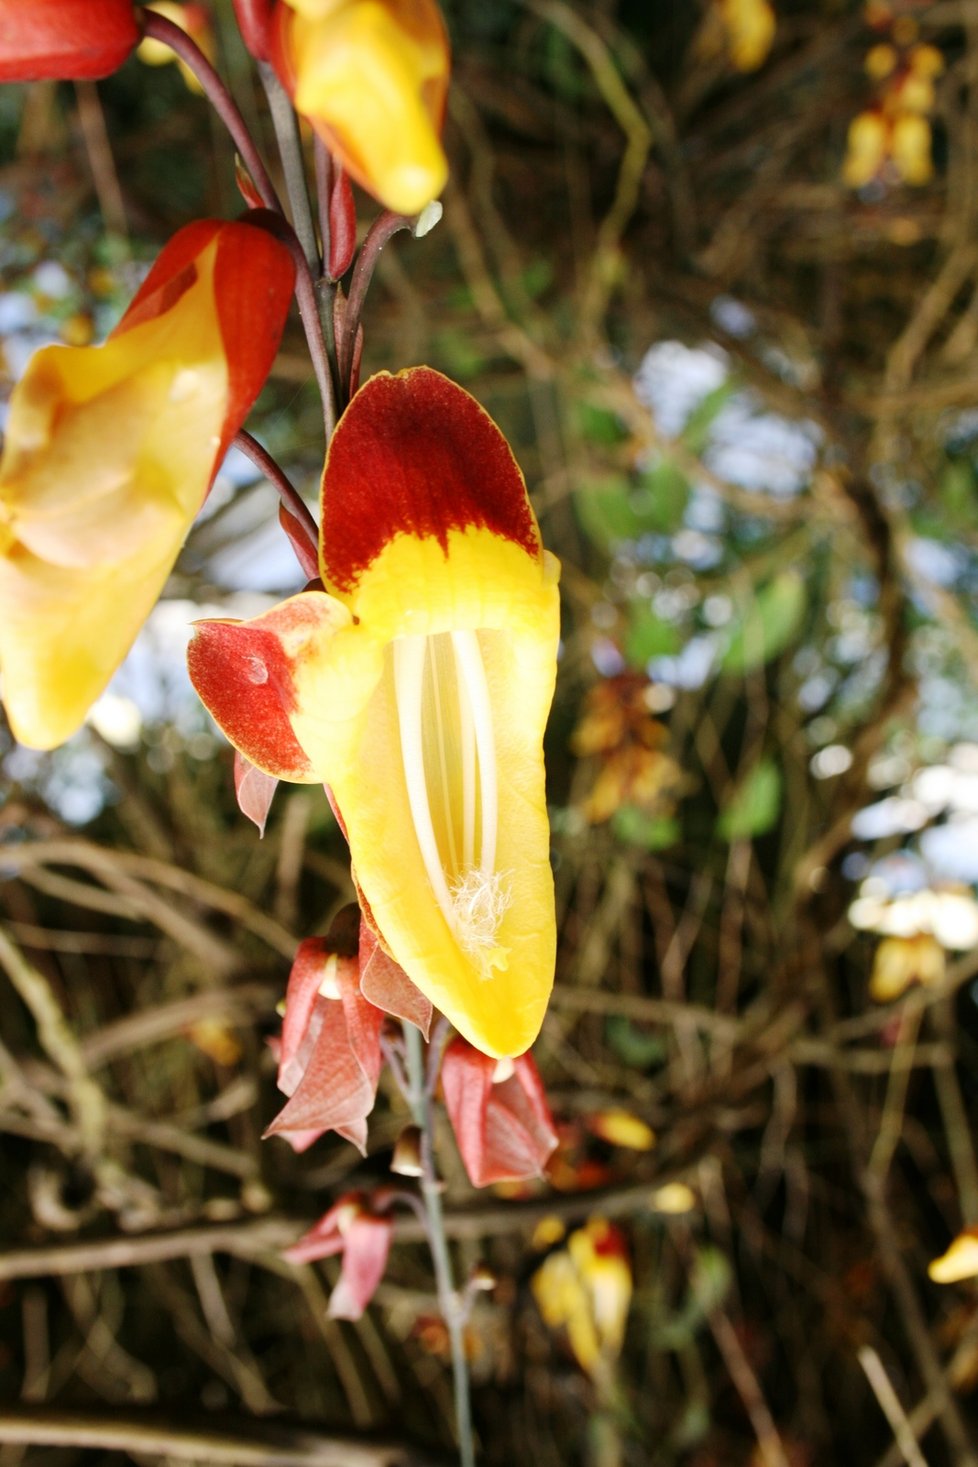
(69, 40)
(109, 454)
(372, 78)
(245, 673)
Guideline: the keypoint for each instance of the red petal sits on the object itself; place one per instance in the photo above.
(254, 19)
(244, 676)
(505, 1131)
(305, 979)
(254, 789)
(366, 1246)
(71, 40)
(171, 273)
(324, 1238)
(330, 1058)
(416, 454)
(342, 223)
(385, 984)
(253, 279)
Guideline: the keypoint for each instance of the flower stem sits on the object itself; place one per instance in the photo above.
(161, 29)
(383, 229)
(290, 150)
(449, 1301)
(287, 491)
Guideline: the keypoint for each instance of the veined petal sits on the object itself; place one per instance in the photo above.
(71, 40)
(109, 454)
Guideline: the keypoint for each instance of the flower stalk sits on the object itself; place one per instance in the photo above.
(450, 1302)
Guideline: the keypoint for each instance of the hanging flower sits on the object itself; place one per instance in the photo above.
(354, 1227)
(71, 40)
(499, 1114)
(109, 454)
(417, 687)
(586, 1288)
(329, 1055)
(372, 78)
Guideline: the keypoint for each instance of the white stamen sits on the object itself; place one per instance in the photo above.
(479, 903)
(469, 660)
(409, 659)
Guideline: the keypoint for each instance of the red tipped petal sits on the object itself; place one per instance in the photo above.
(254, 19)
(254, 789)
(401, 461)
(243, 672)
(171, 273)
(253, 278)
(385, 984)
(70, 40)
(342, 223)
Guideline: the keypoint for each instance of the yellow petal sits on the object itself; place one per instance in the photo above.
(108, 455)
(372, 76)
(959, 1262)
(350, 722)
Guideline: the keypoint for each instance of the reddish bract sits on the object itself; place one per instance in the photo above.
(254, 18)
(330, 1059)
(69, 40)
(504, 1128)
(363, 1236)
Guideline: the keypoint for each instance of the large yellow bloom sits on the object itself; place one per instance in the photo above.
(372, 78)
(109, 454)
(417, 687)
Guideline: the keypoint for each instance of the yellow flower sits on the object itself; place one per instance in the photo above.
(750, 26)
(959, 1262)
(901, 961)
(372, 78)
(108, 456)
(417, 687)
(586, 1288)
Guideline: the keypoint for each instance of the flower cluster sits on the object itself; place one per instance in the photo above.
(412, 677)
(892, 137)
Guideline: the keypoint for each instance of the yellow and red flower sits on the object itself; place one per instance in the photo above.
(416, 686)
(371, 76)
(109, 454)
(70, 40)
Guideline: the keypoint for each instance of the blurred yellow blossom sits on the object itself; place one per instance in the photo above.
(586, 1288)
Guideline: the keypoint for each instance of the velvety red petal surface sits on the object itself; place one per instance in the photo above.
(253, 280)
(244, 677)
(73, 40)
(415, 454)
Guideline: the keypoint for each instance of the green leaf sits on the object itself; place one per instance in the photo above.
(770, 623)
(649, 635)
(662, 498)
(631, 1045)
(697, 428)
(957, 491)
(653, 832)
(755, 804)
(605, 511)
(598, 425)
